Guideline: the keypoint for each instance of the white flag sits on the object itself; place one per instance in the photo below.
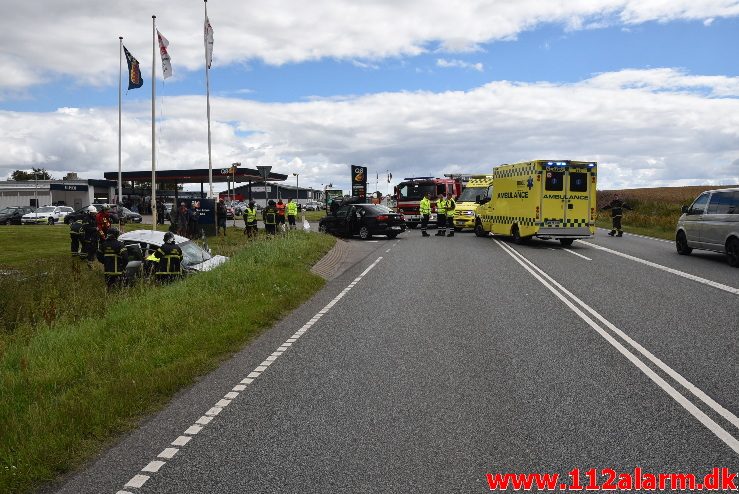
(208, 42)
(166, 62)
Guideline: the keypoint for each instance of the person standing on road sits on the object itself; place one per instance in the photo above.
(441, 216)
(250, 220)
(169, 260)
(616, 206)
(221, 215)
(424, 208)
(451, 205)
(90, 235)
(113, 255)
(76, 234)
(292, 213)
(269, 215)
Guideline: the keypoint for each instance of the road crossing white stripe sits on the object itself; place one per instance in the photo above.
(557, 290)
(153, 466)
(689, 276)
(578, 255)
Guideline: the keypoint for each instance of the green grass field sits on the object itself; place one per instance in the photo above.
(79, 366)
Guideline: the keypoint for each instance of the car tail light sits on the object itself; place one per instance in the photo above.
(383, 217)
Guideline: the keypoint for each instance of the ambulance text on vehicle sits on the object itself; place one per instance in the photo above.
(478, 189)
(410, 191)
(544, 199)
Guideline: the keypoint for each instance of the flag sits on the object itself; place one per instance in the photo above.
(389, 177)
(134, 73)
(208, 42)
(166, 62)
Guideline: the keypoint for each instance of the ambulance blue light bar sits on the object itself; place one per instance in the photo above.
(556, 163)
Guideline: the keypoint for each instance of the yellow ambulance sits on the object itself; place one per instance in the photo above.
(477, 189)
(543, 199)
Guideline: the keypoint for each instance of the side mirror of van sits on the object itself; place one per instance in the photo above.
(684, 209)
(478, 198)
(485, 200)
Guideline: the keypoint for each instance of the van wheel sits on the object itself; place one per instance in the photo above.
(681, 243)
(566, 242)
(322, 228)
(479, 230)
(364, 233)
(392, 235)
(732, 252)
(517, 239)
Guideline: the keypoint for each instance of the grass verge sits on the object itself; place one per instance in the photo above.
(72, 384)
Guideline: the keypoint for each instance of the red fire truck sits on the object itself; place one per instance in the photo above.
(410, 191)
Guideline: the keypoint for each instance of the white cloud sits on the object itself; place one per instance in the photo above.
(645, 128)
(44, 38)
(445, 63)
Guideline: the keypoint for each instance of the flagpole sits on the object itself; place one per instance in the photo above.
(207, 100)
(153, 121)
(120, 74)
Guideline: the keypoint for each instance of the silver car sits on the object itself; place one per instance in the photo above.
(711, 223)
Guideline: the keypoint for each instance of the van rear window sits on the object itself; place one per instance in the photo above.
(554, 181)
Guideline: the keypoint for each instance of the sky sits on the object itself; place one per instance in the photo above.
(647, 88)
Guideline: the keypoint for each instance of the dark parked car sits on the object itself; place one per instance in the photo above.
(364, 220)
(12, 215)
(127, 215)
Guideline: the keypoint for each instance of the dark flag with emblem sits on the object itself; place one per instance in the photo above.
(134, 73)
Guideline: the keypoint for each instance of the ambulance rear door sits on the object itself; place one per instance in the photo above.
(577, 197)
(553, 207)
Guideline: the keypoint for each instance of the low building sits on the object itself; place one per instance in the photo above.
(74, 192)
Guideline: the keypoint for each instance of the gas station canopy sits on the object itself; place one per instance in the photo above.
(196, 176)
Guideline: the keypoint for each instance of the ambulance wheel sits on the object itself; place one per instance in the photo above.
(479, 230)
(457, 229)
(517, 238)
(566, 242)
(364, 233)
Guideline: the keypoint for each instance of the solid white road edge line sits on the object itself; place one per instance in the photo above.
(578, 255)
(709, 423)
(137, 481)
(689, 276)
(646, 353)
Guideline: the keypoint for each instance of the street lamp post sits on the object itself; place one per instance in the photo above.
(233, 197)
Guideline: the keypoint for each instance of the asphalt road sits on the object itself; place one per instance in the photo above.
(449, 358)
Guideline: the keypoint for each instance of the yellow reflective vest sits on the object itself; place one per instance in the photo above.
(292, 209)
(441, 206)
(425, 206)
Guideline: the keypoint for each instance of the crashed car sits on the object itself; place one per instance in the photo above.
(141, 243)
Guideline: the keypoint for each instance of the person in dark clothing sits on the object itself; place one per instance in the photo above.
(269, 215)
(169, 260)
(90, 235)
(183, 219)
(114, 257)
(221, 215)
(616, 206)
(161, 211)
(193, 224)
(76, 233)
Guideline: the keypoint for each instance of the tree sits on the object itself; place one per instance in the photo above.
(35, 174)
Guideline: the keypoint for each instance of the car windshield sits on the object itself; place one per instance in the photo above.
(193, 254)
(415, 192)
(45, 209)
(469, 194)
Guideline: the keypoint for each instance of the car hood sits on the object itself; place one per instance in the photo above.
(209, 264)
(149, 236)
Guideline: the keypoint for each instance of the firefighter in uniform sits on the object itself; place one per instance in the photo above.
(103, 221)
(269, 215)
(451, 205)
(441, 216)
(90, 235)
(292, 213)
(114, 257)
(617, 207)
(169, 260)
(425, 209)
(250, 220)
(76, 234)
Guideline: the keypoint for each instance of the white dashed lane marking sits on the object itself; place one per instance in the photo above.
(137, 481)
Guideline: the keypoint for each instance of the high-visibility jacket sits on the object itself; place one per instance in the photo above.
(425, 206)
(114, 257)
(281, 209)
(250, 215)
(450, 207)
(441, 206)
(170, 260)
(292, 209)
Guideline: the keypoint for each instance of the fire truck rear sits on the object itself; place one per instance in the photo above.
(410, 191)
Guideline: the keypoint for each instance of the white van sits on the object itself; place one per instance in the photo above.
(711, 223)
